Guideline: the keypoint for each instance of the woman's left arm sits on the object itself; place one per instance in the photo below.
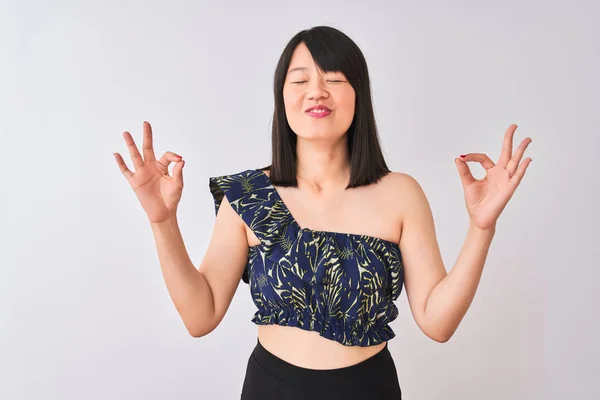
(451, 297)
(440, 300)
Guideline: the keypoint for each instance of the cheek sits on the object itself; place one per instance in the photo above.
(349, 103)
(291, 103)
(288, 104)
(351, 107)
(291, 108)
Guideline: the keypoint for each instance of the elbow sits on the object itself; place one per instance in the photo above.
(437, 332)
(196, 322)
(198, 330)
(197, 333)
(440, 337)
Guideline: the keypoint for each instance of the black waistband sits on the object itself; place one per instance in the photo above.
(323, 378)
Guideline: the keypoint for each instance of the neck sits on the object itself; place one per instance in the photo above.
(322, 165)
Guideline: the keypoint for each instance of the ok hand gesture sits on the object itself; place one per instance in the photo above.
(486, 198)
(158, 193)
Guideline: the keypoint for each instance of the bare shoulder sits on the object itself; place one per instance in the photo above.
(403, 186)
(406, 195)
(396, 178)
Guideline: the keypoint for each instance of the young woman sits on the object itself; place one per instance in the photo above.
(326, 236)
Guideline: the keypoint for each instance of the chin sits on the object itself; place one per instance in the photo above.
(319, 135)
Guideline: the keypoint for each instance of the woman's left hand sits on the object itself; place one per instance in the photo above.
(486, 198)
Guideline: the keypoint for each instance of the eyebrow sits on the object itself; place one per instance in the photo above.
(297, 69)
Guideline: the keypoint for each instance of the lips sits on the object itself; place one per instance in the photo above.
(319, 111)
(318, 108)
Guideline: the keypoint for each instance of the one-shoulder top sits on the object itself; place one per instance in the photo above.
(341, 285)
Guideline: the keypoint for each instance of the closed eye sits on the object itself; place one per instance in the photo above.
(336, 81)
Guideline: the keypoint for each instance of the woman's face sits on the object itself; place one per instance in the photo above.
(305, 87)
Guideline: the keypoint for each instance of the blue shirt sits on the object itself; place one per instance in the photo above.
(341, 285)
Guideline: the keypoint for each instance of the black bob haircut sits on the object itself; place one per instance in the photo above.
(332, 51)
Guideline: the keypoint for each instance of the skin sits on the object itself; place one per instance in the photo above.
(394, 209)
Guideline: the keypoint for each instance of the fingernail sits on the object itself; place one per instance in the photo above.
(463, 155)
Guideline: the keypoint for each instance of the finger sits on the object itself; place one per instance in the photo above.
(138, 162)
(516, 159)
(516, 178)
(178, 172)
(122, 166)
(168, 158)
(507, 146)
(465, 172)
(481, 158)
(147, 147)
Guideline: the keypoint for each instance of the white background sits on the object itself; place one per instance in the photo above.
(84, 312)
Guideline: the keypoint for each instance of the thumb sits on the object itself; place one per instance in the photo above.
(178, 172)
(464, 171)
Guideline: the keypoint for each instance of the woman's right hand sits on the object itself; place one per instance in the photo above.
(158, 193)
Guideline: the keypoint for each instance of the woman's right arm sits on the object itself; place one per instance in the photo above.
(202, 296)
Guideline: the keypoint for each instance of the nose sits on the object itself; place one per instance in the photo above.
(316, 90)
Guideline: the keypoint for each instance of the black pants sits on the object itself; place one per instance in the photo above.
(268, 377)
